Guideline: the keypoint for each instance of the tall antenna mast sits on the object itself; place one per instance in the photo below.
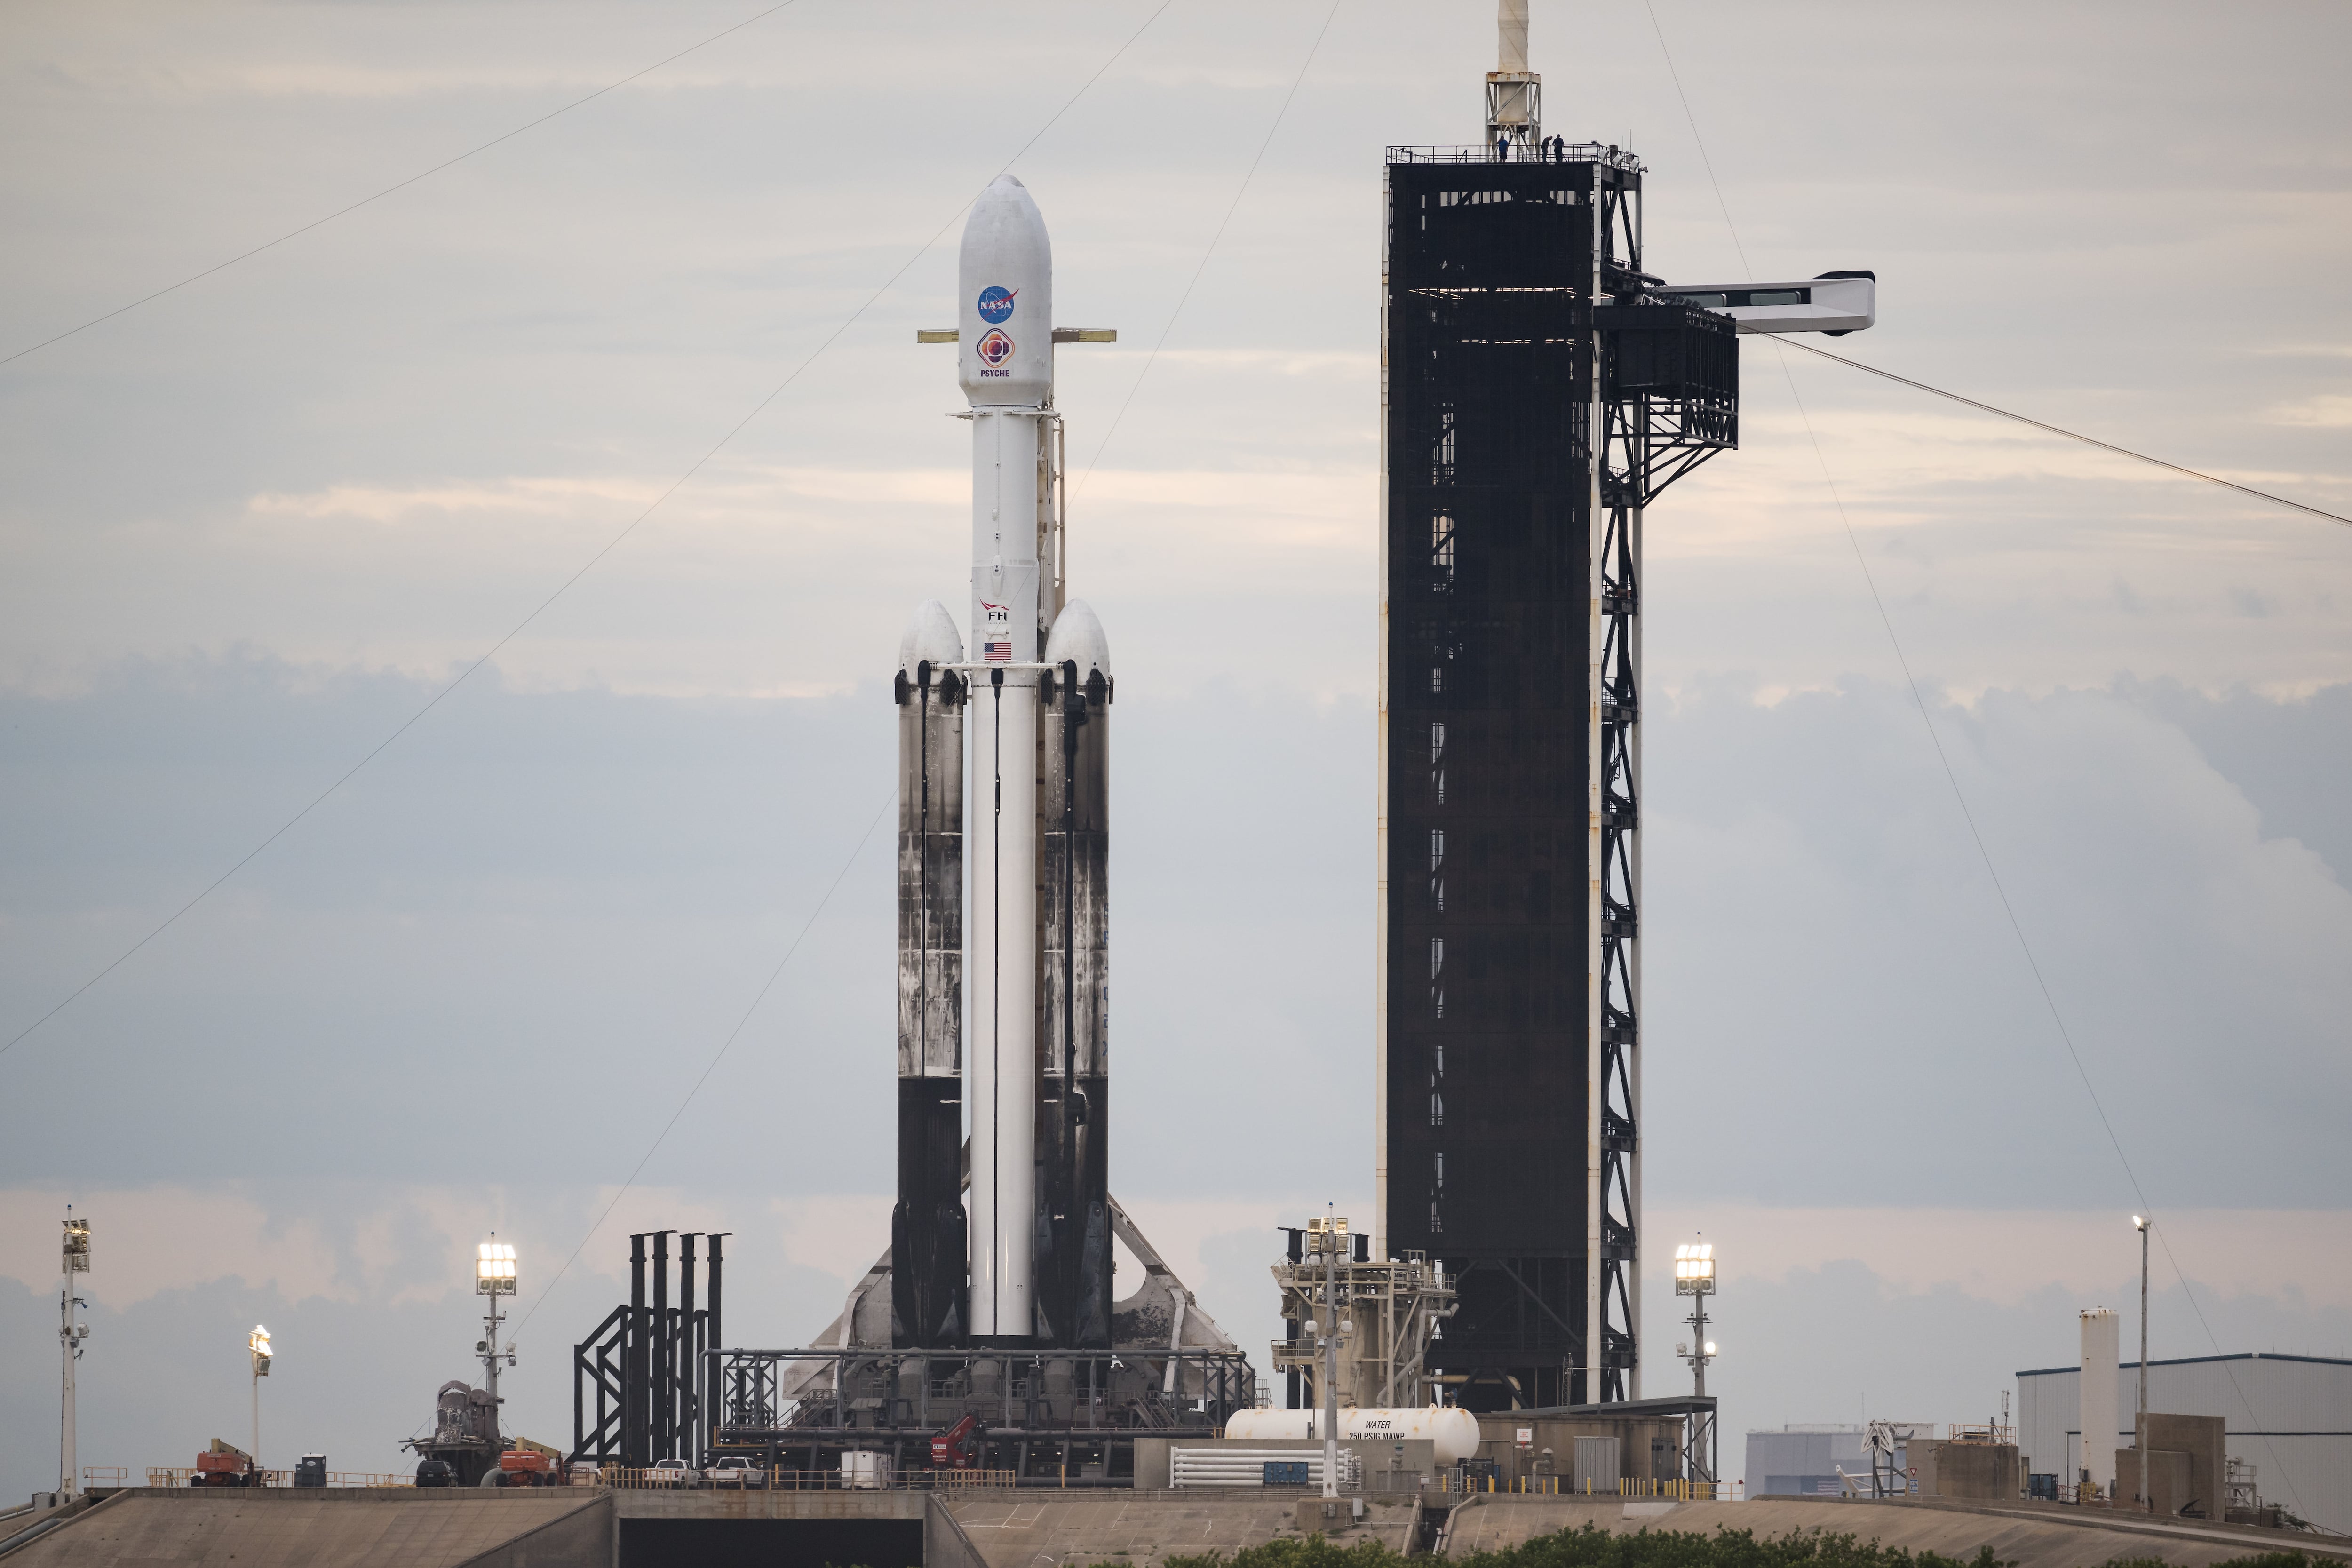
(1514, 93)
(70, 1335)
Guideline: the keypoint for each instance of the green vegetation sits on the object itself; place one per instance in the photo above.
(1590, 1547)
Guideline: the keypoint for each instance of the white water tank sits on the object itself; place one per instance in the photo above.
(1453, 1434)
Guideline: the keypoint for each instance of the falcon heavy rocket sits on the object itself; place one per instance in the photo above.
(1026, 1260)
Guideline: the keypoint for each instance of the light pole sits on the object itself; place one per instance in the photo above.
(2142, 1224)
(1332, 1232)
(494, 1276)
(257, 1344)
(70, 1335)
(1695, 1277)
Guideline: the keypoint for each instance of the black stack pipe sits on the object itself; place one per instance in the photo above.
(1296, 1253)
(642, 1371)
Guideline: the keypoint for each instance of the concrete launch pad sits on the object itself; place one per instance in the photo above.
(265, 1528)
(1005, 1528)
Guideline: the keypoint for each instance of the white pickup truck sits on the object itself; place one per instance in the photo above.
(735, 1471)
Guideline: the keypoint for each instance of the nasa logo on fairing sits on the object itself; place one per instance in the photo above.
(996, 303)
(994, 349)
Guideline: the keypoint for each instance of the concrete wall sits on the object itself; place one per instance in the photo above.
(945, 1544)
(2198, 1442)
(765, 1543)
(2205, 1439)
(581, 1538)
(2167, 1488)
(263, 1528)
(770, 1505)
(1977, 1472)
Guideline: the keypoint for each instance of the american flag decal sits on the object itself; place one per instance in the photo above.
(996, 652)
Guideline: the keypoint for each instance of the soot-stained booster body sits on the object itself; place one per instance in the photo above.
(1022, 982)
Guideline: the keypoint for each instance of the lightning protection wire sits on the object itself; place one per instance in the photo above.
(610, 545)
(1194, 282)
(716, 1057)
(402, 186)
(2070, 435)
(1951, 776)
(1708, 163)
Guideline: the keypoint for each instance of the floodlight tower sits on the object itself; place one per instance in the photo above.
(256, 1345)
(2142, 1224)
(1695, 1277)
(494, 1277)
(70, 1335)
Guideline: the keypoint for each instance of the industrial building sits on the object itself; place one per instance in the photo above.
(2288, 1418)
(1803, 1460)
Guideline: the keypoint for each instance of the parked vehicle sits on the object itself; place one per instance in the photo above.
(736, 1470)
(863, 1470)
(957, 1448)
(670, 1473)
(311, 1470)
(223, 1465)
(524, 1468)
(435, 1473)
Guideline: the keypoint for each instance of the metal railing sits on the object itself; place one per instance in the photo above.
(624, 1479)
(1520, 152)
(783, 1395)
(173, 1476)
(105, 1475)
(947, 1481)
(1988, 1432)
(1562, 1486)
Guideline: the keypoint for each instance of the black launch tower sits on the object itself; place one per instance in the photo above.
(1539, 392)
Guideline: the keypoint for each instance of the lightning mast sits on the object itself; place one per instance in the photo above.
(71, 1336)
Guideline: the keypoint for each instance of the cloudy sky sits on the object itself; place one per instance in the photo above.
(253, 526)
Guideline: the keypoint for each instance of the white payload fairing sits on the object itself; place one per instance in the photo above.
(1032, 970)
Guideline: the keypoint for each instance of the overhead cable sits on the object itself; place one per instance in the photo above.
(1951, 776)
(610, 545)
(389, 190)
(1194, 282)
(1708, 163)
(2072, 434)
(712, 1065)
(1992, 873)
